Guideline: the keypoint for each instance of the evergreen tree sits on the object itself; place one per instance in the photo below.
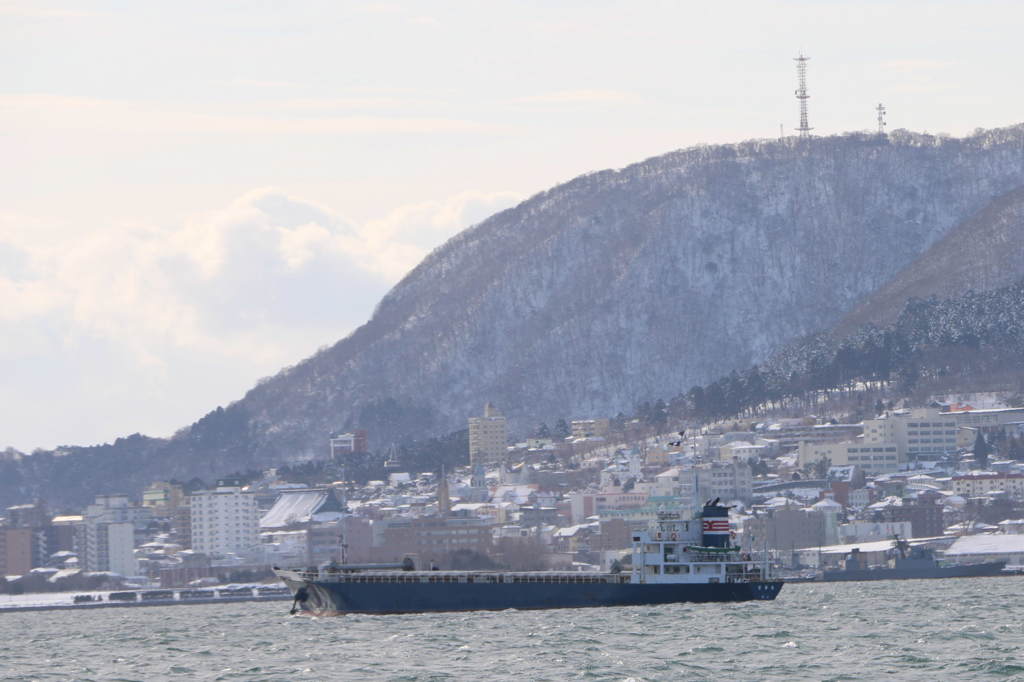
(658, 414)
(698, 403)
(1015, 448)
(981, 451)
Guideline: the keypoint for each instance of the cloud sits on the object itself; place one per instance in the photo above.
(401, 239)
(918, 76)
(260, 83)
(916, 66)
(577, 97)
(391, 10)
(33, 11)
(139, 326)
(47, 113)
(424, 20)
(320, 104)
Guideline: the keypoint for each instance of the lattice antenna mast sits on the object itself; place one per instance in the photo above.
(801, 93)
(881, 118)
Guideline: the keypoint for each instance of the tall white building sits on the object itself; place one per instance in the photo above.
(224, 520)
(108, 535)
(488, 437)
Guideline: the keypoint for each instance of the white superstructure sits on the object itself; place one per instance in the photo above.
(697, 550)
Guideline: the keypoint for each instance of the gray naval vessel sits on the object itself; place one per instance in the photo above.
(676, 560)
(905, 563)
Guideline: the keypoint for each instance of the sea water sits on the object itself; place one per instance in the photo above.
(902, 630)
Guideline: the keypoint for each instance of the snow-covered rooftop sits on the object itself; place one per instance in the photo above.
(298, 507)
(996, 543)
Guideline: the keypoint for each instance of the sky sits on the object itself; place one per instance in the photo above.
(194, 195)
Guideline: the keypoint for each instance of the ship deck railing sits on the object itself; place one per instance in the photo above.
(750, 577)
(488, 577)
(484, 577)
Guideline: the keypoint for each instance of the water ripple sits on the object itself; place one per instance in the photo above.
(912, 630)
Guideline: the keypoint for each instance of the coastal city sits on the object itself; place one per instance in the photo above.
(803, 493)
(457, 341)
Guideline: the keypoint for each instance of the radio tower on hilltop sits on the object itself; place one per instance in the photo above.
(881, 118)
(801, 93)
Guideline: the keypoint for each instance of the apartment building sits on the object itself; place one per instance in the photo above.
(980, 483)
(224, 520)
(108, 534)
(488, 437)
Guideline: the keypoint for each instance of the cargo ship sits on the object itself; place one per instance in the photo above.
(908, 563)
(674, 560)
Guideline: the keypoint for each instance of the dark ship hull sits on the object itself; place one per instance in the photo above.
(329, 597)
(933, 571)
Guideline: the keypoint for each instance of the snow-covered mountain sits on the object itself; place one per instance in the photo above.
(629, 284)
(617, 287)
(984, 252)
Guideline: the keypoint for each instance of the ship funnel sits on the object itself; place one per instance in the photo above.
(715, 525)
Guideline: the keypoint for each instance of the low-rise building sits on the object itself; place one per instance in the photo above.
(973, 549)
(729, 480)
(786, 529)
(995, 417)
(916, 432)
(349, 443)
(308, 522)
(923, 515)
(593, 503)
(16, 551)
(590, 428)
(979, 483)
(163, 497)
(859, 498)
(790, 433)
(888, 442)
(870, 531)
(872, 457)
(429, 539)
(743, 450)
